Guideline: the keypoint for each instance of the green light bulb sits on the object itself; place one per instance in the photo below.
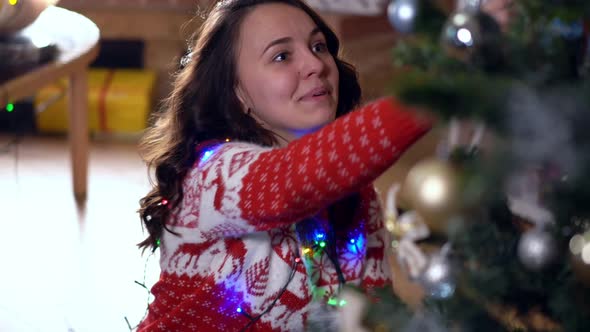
(10, 107)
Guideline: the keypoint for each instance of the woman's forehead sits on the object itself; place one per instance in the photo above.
(269, 22)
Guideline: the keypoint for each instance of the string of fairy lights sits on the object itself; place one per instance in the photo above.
(316, 247)
(9, 107)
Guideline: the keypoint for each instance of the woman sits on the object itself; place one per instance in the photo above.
(262, 200)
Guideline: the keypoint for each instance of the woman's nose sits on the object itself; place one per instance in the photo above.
(312, 64)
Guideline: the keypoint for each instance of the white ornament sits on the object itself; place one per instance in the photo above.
(523, 193)
(408, 254)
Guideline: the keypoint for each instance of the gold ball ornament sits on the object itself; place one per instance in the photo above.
(432, 190)
(579, 247)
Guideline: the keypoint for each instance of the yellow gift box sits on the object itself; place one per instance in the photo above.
(119, 101)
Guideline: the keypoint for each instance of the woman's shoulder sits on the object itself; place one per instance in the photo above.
(211, 151)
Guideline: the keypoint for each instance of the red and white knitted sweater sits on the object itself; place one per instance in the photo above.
(237, 246)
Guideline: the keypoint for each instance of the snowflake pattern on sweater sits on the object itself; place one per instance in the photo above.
(236, 245)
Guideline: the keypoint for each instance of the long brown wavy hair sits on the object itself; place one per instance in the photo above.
(203, 106)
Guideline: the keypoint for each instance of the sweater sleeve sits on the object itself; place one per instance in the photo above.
(243, 188)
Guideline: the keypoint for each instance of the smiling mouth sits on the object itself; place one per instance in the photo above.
(316, 94)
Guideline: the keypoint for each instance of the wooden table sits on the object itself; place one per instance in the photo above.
(77, 39)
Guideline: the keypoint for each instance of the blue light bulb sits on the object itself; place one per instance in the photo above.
(206, 155)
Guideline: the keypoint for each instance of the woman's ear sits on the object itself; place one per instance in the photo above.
(246, 101)
(242, 97)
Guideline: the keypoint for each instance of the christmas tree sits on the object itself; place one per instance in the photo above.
(509, 220)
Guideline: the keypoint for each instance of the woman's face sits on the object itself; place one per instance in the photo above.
(286, 76)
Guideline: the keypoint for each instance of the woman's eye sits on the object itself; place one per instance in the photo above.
(320, 47)
(280, 57)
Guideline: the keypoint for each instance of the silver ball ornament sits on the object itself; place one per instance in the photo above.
(438, 278)
(402, 14)
(461, 34)
(475, 37)
(537, 249)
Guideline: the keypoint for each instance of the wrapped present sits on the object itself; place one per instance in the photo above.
(119, 101)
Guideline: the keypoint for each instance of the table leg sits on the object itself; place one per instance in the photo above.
(78, 131)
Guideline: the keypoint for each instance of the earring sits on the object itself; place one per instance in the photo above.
(249, 111)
